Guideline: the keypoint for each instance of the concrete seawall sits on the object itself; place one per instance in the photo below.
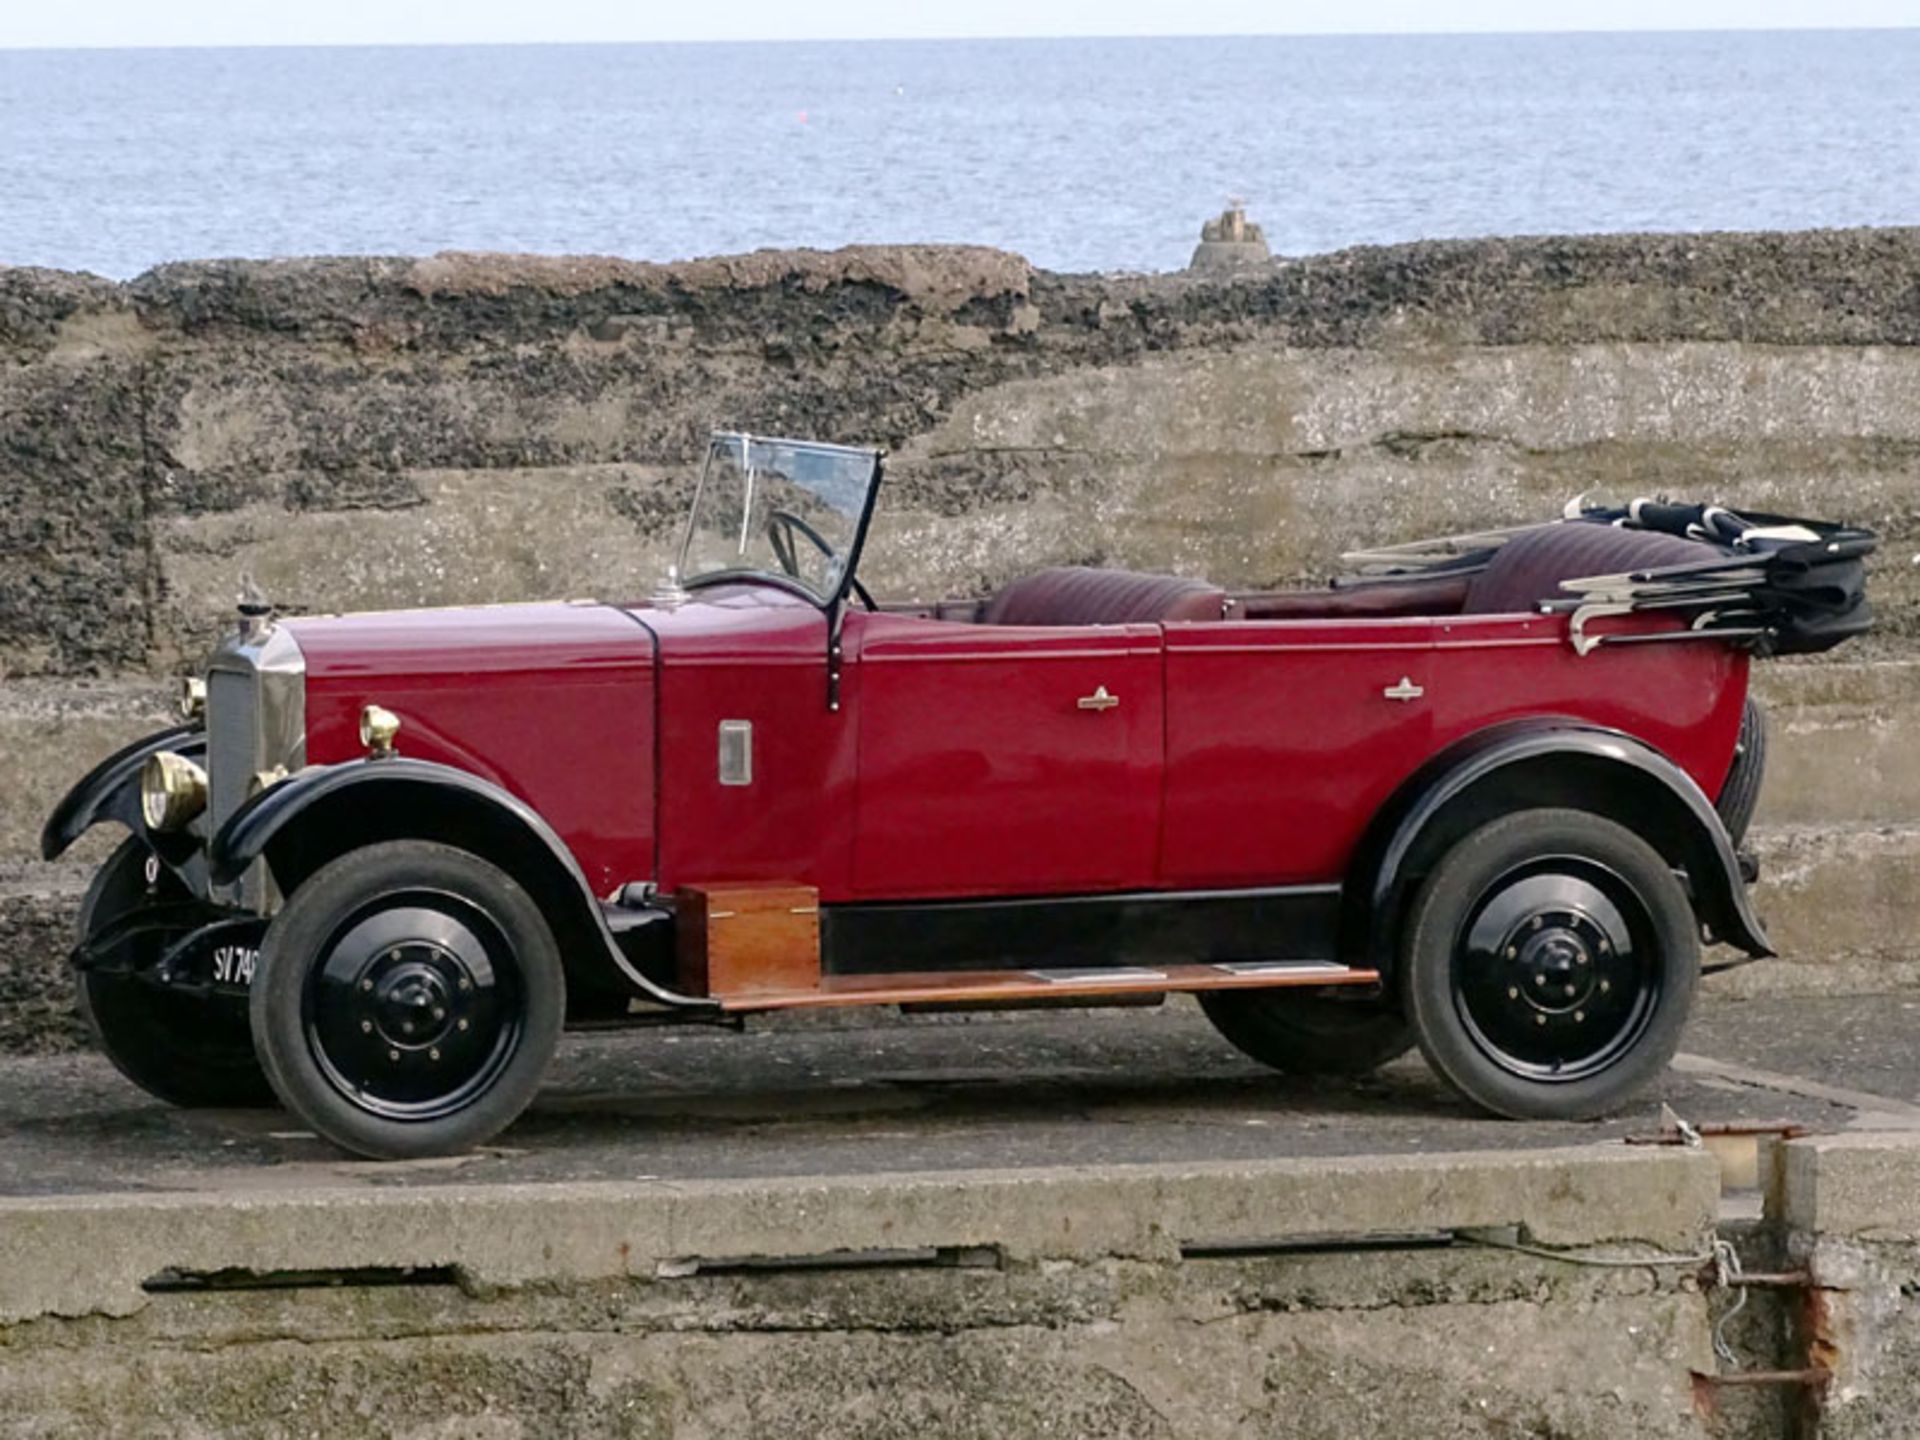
(1566, 1292)
(363, 433)
(1323, 1298)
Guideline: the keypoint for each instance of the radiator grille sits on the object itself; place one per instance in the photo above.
(233, 739)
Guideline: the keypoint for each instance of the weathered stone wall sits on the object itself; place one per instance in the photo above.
(472, 427)
(403, 432)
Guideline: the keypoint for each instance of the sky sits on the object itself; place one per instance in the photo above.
(335, 22)
(480, 22)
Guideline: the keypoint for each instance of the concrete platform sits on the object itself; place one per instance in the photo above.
(987, 1093)
(1102, 1224)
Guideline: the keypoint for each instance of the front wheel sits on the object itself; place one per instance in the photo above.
(408, 1000)
(1550, 962)
(188, 1051)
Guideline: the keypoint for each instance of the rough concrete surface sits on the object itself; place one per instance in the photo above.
(415, 416)
(80, 1255)
(1848, 1207)
(987, 1093)
(873, 1233)
(1257, 1345)
(1057, 1225)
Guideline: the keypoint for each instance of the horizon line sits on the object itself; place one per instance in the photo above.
(1469, 32)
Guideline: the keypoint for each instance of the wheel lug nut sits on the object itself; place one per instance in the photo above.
(1605, 946)
(366, 1027)
(465, 984)
(1571, 992)
(433, 1054)
(366, 984)
(1539, 1019)
(439, 1012)
(1605, 986)
(1579, 1017)
(463, 1024)
(1513, 992)
(1538, 922)
(406, 1027)
(393, 1054)
(1539, 979)
(1581, 958)
(1511, 952)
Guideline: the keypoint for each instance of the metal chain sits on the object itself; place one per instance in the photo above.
(1726, 1266)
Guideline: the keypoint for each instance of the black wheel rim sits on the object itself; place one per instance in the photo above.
(1557, 969)
(415, 1005)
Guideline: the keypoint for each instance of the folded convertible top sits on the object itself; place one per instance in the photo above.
(1780, 585)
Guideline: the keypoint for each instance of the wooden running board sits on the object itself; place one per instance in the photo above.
(987, 986)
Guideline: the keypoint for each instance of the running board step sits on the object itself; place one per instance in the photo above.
(987, 986)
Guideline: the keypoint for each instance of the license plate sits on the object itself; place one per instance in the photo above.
(234, 965)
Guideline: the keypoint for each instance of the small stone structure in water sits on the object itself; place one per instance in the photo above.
(1230, 241)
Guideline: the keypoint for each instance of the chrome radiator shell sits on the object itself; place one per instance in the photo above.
(256, 720)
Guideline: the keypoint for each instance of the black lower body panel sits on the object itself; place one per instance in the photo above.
(1094, 931)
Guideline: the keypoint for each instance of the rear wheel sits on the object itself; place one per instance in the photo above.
(1550, 962)
(408, 1000)
(1308, 1034)
(194, 1053)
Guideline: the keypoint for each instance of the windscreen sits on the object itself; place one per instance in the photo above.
(783, 509)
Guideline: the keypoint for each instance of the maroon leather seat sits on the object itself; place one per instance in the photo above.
(1081, 595)
(1441, 595)
(1529, 568)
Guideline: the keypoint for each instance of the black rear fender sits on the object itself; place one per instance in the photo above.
(1536, 764)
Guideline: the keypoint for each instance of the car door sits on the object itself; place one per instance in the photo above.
(1004, 760)
(1284, 737)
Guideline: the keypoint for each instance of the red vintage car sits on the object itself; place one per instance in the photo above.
(1484, 794)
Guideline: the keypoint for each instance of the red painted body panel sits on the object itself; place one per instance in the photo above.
(1280, 747)
(755, 653)
(959, 762)
(1683, 698)
(980, 773)
(1282, 743)
(553, 703)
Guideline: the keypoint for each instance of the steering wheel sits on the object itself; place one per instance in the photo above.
(781, 527)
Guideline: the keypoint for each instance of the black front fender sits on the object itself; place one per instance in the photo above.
(392, 798)
(1550, 762)
(111, 790)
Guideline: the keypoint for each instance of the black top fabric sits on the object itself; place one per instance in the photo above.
(1746, 571)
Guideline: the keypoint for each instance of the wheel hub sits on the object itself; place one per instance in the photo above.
(1557, 965)
(412, 1004)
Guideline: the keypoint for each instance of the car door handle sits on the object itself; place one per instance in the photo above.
(1405, 690)
(1099, 700)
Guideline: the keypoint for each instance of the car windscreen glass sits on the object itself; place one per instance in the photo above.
(779, 508)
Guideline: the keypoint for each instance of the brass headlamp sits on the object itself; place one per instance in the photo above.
(172, 791)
